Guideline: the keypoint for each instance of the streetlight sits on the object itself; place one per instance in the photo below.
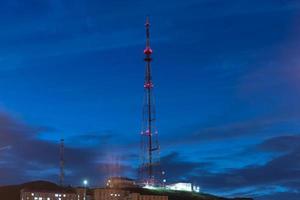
(85, 183)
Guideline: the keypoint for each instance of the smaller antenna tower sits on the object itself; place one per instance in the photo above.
(62, 163)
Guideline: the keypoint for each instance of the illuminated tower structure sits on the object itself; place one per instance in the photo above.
(62, 162)
(149, 171)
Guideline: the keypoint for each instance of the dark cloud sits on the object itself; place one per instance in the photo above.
(281, 144)
(178, 168)
(237, 129)
(280, 196)
(281, 171)
(91, 139)
(233, 130)
(25, 157)
(12, 131)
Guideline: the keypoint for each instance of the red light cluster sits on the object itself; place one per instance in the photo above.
(148, 85)
(148, 51)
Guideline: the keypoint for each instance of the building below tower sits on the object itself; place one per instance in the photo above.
(87, 194)
(118, 194)
(120, 182)
(33, 194)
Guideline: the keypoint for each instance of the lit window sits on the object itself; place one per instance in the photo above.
(32, 194)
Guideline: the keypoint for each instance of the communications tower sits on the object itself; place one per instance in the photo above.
(149, 171)
(61, 163)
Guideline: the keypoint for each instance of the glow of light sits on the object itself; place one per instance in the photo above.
(85, 182)
(196, 189)
(147, 186)
(180, 187)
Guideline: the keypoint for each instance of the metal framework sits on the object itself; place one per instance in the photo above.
(62, 163)
(149, 140)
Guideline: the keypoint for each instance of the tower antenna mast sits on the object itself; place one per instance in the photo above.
(150, 146)
(62, 162)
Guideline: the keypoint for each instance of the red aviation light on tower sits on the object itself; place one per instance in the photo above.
(148, 85)
(148, 51)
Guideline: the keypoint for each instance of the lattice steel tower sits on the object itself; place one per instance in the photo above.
(61, 162)
(149, 137)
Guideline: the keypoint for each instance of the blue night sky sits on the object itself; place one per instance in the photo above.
(226, 77)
